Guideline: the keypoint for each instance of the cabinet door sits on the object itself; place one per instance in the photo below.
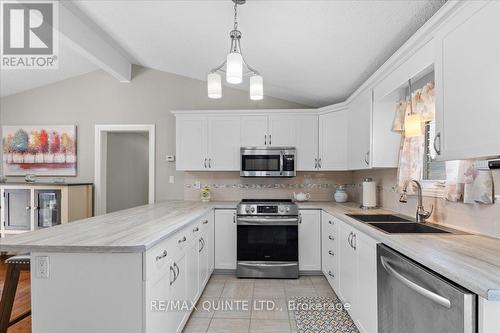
(191, 143)
(359, 131)
(192, 271)
(203, 260)
(159, 288)
(254, 131)
(179, 290)
(347, 266)
(333, 141)
(366, 250)
(282, 131)
(310, 240)
(225, 239)
(307, 142)
(17, 209)
(468, 82)
(224, 143)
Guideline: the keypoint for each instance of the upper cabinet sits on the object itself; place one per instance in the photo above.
(223, 142)
(191, 143)
(333, 141)
(253, 131)
(359, 131)
(468, 82)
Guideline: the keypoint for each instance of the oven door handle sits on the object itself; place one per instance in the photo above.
(415, 287)
(269, 221)
(260, 264)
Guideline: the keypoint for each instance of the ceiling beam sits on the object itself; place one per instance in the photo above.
(86, 37)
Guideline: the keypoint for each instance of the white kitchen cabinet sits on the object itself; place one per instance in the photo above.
(282, 131)
(179, 290)
(224, 143)
(333, 141)
(468, 82)
(357, 265)
(348, 270)
(225, 239)
(254, 131)
(192, 270)
(359, 131)
(204, 261)
(310, 240)
(191, 143)
(306, 129)
(329, 251)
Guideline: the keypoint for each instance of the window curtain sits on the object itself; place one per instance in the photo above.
(412, 149)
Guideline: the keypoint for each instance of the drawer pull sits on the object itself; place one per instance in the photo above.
(331, 253)
(196, 229)
(162, 255)
(331, 274)
(330, 237)
(182, 240)
(172, 280)
(178, 271)
(331, 222)
(205, 222)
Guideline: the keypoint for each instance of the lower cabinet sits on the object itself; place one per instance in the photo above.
(177, 271)
(357, 276)
(329, 249)
(310, 240)
(225, 239)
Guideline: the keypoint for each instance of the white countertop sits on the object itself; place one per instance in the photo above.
(471, 261)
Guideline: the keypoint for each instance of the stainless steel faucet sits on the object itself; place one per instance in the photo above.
(422, 214)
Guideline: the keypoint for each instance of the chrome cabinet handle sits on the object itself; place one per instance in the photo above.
(415, 287)
(205, 163)
(349, 239)
(270, 139)
(331, 274)
(196, 229)
(234, 218)
(319, 162)
(331, 222)
(436, 149)
(265, 139)
(172, 271)
(315, 163)
(330, 237)
(201, 245)
(367, 158)
(182, 240)
(300, 219)
(28, 207)
(205, 222)
(210, 163)
(162, 255)
(331, 253)
(178, 271)
(353, 240)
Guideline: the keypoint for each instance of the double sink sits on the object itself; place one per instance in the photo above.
(394, 224)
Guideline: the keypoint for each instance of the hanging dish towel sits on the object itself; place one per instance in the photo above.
(480, 189)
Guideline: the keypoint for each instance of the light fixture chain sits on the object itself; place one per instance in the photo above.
(236, 15)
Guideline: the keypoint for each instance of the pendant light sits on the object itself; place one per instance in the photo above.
(235, 67)
(413, 121)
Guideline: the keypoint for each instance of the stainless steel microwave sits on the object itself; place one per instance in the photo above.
(268, 162)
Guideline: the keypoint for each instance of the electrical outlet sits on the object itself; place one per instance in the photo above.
(197, 185)
(42, 267)
(171, 179)
(170, 158)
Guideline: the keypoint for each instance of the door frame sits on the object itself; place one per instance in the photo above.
(100, 153)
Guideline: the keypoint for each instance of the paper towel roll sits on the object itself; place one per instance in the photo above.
(369, 193)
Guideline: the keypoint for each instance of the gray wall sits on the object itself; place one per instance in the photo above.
(98, 98)
(127, 170)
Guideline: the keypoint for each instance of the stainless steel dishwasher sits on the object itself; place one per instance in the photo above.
(413, 299)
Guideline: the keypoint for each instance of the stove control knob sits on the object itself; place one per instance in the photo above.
(287, 209)
(247, 210)
(252, 210)
(281, 210)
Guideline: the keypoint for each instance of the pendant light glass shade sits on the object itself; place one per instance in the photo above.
(414, 125)
(214, 85)
(256, 88)
(234, 71)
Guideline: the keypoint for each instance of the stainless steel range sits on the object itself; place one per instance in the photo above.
(267, 239)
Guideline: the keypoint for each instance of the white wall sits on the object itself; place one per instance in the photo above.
(98, 98)
(127, 175)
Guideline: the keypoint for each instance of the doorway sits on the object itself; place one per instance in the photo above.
(124, 167)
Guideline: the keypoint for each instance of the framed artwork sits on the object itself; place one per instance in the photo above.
(39, 150)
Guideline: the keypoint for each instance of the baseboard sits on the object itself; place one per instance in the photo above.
(311, 273)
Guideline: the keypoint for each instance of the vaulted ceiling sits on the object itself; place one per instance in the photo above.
(312, 52)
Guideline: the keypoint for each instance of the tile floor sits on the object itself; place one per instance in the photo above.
(250, 312)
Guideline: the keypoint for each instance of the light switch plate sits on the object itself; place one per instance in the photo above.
(42, 267)
(171, 179)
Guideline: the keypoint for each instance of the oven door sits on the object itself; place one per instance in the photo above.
(267, 247)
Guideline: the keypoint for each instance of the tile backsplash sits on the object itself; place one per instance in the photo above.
(229, 186)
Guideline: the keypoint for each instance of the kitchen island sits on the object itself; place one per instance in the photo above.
(110, 273)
